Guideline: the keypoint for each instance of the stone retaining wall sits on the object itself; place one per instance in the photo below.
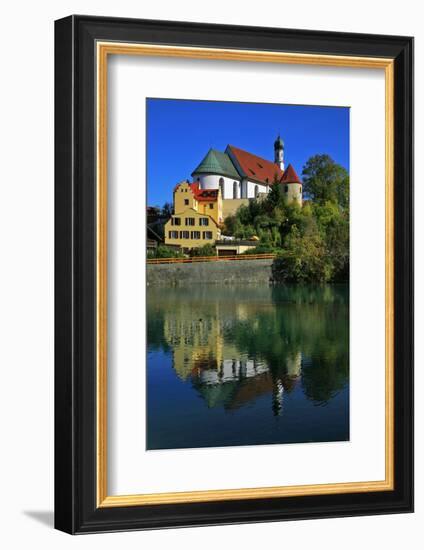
(220, 272)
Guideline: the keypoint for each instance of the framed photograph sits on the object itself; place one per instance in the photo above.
(234, 274)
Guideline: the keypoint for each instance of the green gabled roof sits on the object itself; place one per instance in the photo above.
(216, 162)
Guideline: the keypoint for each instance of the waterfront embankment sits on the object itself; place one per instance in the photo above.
(222, 272)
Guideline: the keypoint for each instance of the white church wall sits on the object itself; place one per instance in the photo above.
(236, 191)
(251, 189)
(244, 189)
(229, 188)
(211, 181)
(208, 181)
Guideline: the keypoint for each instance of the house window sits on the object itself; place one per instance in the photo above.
(176, 221)
(173, 234)
(235, 190)
(189, 221)
(195, 234)
(184, 234)
(186, 202)
(207, 235)
(286, 188)
(204, 221)
(221, 186)
(256, 191)
(210, 206)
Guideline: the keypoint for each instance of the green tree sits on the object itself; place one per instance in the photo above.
(333, 223)
(313, 240)
(337, 241)
(304, 258)
(231, 224)
(274, 196)
(325, 180)
(167, 210)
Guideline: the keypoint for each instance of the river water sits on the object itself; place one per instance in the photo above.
(247, 365)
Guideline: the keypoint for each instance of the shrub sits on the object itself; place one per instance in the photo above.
(262, 249)
(205, 250)
(164, 251)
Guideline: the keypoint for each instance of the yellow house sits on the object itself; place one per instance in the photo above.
(204, 201)
(197, 213)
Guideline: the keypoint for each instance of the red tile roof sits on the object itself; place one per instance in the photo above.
(204, 195)
(256, 168)
(290, 175)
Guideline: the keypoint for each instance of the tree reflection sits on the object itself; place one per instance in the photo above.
(235, 345)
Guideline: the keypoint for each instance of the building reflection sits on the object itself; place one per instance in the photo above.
(224, 372)
(246, 364)
(236, 345)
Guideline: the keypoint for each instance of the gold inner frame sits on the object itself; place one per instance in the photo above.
(104, 49)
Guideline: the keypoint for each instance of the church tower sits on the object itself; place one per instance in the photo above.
(291, 186)
(279, 152)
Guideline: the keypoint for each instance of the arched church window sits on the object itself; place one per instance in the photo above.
(256, 191)
(221, 186)
(235, 190)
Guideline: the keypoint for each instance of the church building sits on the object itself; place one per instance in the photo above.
(222, 182)
(243, 175)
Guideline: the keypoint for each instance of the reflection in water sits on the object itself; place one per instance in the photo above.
(256, 353)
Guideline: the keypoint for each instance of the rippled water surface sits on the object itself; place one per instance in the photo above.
(247, 365)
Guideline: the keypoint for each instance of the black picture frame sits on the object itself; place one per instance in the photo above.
(76, 510)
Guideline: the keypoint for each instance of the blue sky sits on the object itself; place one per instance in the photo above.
(180, 133)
